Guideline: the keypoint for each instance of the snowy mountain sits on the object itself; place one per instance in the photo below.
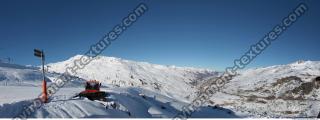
(176, 82)
(277, 91)
(140, 89)
(123, 100)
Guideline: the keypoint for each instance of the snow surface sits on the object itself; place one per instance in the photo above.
(152, 99)
(275, 91)
(144, 90)
(168, 80)
(129, 104)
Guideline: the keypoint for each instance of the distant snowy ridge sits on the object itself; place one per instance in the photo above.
(13, 74)
(19, 75)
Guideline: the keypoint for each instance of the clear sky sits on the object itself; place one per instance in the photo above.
(197, 33)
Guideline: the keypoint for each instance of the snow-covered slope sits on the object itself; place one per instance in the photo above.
(177, 82)
(12, 74)
(136, 89)
(142, 89)
(276, 91)
(128, 103)
(19, 75)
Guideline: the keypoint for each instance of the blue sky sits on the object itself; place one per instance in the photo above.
(197, 33)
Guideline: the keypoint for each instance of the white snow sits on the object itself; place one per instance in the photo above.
(168, 80)
(144, 90)
(275, 91)
(162, 94)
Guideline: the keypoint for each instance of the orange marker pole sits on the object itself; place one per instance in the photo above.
(44, 91)
(44, 82)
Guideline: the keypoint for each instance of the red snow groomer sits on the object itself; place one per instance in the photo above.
(92, 91)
